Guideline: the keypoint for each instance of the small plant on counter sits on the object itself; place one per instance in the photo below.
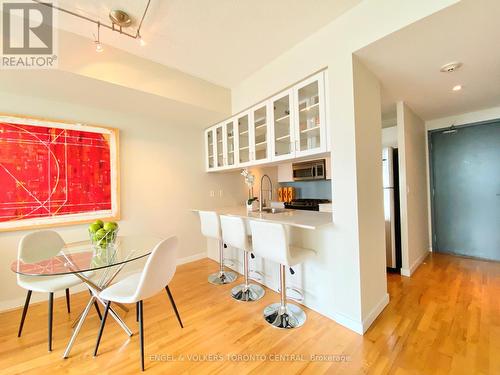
(249, 180)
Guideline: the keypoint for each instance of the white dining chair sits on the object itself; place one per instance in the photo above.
(156, 275)
(35, 247)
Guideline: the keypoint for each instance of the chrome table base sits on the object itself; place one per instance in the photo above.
(222, 277)
(291, 316)
(104, 281)
(247, 293)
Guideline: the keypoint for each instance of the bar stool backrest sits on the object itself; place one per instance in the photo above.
(210, 224)
(270, 241)
(234, 232)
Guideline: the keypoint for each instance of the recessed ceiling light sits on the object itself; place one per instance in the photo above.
(457, 88)
(451, 67)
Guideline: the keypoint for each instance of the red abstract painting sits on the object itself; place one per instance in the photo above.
(52, 172)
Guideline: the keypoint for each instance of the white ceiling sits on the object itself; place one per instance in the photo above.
(408, 61)
(222, 41)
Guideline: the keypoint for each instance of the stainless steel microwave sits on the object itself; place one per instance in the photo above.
(309, 170)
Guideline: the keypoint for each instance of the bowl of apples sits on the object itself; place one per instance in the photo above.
(103, 235)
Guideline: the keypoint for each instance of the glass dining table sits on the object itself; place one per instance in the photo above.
(96, 267)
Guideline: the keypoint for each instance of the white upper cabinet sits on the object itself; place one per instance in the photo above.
(230, 154)
(283, 126)
(310, 128)
(219, 146)
(245, 135)
(260, 133)
(210, 149)
(291, 124)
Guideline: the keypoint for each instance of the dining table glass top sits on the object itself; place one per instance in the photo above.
(82, 256)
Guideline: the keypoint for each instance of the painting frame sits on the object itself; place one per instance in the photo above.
(113, 214)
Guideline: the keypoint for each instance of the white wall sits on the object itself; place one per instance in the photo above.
(390, 137)
(413, 185)
(367, 107)
(161, 159)
(332, 47)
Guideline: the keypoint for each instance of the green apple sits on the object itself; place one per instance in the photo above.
(99, 222)
(100, 234)
(110, 227)
(94, 227)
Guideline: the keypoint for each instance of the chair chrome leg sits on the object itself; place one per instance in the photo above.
(221, 277)
(68, 306)
(283, 314)
(51, 311)
(25, 310)
(141, 333)
(247, 292)
(173, 305)
(101, 329)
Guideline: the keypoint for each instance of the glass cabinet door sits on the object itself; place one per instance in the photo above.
(282, 127)
(219, 146)
(310, 130)
(210, 147)
(244, 139)
(260, 133)
(230, 142)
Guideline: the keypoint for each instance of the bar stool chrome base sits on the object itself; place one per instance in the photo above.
(222, 277)
(291, 316)
(247, 293)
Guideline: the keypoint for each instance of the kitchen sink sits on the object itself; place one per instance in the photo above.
(273, 210)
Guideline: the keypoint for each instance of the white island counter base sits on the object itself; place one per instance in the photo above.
(314, 278)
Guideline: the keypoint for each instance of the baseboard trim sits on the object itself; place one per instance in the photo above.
(348, 322)
(16, 303)
(367, 322)
(192, 258)
(409, 271)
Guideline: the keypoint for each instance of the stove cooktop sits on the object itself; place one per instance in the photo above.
(306, 204)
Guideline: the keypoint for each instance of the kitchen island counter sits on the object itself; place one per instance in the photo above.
(295, 218)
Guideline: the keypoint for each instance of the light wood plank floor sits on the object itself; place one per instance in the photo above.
(444, 320)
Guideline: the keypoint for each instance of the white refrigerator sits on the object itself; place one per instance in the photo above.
(391, 208)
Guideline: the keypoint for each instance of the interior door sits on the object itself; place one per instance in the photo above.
(465, 187)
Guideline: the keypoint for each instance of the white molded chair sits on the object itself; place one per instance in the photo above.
(270, 241)
(211, 228)
(156, 275)
(234, 233)
(35, 247)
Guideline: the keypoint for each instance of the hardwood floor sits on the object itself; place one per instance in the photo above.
(443, 320)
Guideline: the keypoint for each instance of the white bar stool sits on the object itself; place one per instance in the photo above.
(234, 234)
(210, 227)
(270, 241)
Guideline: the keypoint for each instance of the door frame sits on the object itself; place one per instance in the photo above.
(431, 171)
